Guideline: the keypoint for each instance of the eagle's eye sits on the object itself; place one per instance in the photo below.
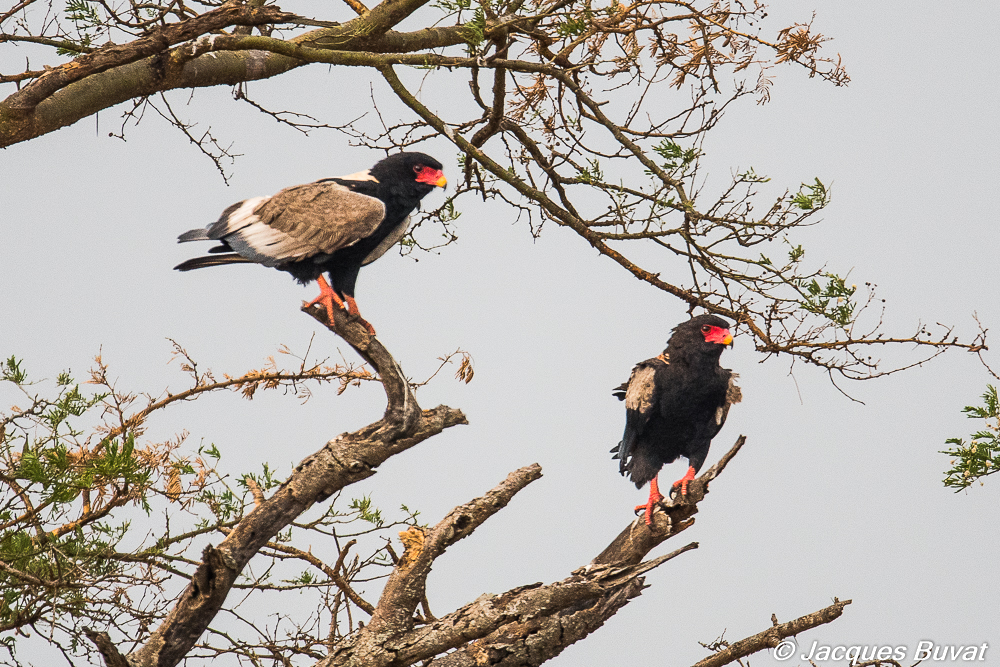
(706, 329)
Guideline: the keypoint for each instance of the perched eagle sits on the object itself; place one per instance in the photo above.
(675, 404)
(333, 226)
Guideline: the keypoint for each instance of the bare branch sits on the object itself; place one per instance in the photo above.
(670, 517)
(406, 587)
(344, 460)
(772, 636)
(112, 658)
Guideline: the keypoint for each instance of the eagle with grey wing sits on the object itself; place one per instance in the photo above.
(333, 226)
(675, 404)
(640, 393)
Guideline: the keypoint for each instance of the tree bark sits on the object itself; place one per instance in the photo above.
(525, 626)
(186, 55)
(346, 459)
(531, 624)
(772, 636)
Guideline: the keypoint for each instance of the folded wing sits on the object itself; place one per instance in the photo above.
(297, 223)
(640, 398)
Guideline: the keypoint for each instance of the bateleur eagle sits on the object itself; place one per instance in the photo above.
(333, 226)
(675, 404)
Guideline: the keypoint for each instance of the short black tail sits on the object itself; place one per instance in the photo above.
(213, 260)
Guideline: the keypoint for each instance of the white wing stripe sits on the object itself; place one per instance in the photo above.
(269, 246)
(365, 175)
(238, 219)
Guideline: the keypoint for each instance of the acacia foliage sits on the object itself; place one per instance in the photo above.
(98, 521)
(588, 115)
(980, 456)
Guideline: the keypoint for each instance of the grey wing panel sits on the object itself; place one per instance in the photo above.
(733, 395)
(298, 222)
(389, 241)
(641, 391)
(327, 216)
(640, 399)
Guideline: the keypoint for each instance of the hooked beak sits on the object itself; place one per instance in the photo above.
(432, 177)
(720, 336)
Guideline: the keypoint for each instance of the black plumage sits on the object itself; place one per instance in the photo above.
(333, 226)
(675, 404)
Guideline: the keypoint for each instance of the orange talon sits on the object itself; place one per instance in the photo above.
(327, 296)
(352, 309)
(654, 497)
(683, 481)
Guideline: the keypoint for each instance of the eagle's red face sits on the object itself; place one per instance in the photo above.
(430, 176)
(716, 335)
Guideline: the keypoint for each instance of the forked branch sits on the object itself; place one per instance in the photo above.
(346, 459)
(533, 623)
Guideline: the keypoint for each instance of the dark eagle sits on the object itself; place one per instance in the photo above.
(675, 404)
(333, 226)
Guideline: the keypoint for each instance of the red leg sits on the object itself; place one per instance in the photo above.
(327, 296)
(352, 308)
(654, 497)
(683, 481)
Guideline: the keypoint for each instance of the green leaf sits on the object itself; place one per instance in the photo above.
(750, 176)
(675, 156)
(11, 371)
(592, 173)
(811, 196)
(831, 300)
(363, 506)
(981, 456)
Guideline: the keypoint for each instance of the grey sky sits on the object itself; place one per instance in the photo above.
(828, 498)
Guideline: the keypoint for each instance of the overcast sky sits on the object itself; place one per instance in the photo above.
(829, 497)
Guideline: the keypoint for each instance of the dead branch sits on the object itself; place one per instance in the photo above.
(346, 459)
(406, 587)
(112, 658)
(526, 625)
(772, 636)
(670, 517)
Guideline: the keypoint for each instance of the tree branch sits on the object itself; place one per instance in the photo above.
(344, 460)
(116, 55)
(406, 587)
(118, 73)
(112, 658)
(526, 625)
(772, 636)
(670, 517)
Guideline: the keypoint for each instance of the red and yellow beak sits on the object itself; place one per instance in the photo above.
(432, 177)
(719, 335)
